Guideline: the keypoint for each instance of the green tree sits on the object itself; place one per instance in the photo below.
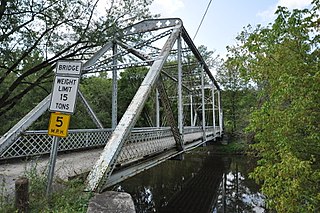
(129, 82)
(283, 60)
(238, 96)
(98, 92)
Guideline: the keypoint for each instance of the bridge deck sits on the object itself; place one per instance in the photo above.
(75, 163)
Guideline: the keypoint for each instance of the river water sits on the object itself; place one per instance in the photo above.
(203, 182)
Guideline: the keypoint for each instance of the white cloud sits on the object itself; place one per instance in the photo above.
(290, 4)
(294, 4)
(166, 7)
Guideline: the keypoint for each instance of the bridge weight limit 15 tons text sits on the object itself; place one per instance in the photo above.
(65, 87)
(62, 104)
(63, 97)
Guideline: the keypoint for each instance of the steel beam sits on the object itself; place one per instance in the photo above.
(191, 110)
(157, 109)
(197, 54)
(132, 170)
(151, 25)
(91, 66)
(120, 66)
(220, 112)
(203, 105)
(169, 112)
(7, 139)
(106, 163)
(141, 55)
(195, 118)
(96, 56)
(213, 112)
(114, 87)
(180, 104)
(175, 80)
(90, 111)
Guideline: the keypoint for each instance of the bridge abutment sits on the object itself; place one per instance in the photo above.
(111, 202)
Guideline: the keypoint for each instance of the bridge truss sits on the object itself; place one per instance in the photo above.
(178, 60)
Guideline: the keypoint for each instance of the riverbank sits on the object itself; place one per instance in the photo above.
(233, 148)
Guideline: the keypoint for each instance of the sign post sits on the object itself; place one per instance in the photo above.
(52, 163)
(63, 99)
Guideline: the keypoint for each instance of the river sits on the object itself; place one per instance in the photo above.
(203, 182)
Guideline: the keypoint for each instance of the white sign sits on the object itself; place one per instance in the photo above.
(64, 94)
(68, 68)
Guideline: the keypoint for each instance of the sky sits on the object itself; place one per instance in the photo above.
(224, 20)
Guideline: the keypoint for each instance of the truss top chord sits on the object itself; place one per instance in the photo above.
(150, 25)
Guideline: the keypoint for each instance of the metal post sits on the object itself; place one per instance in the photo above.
(90, 111)
(213, 113)
(157, 109)
(180, 106)
(195, 118)
(191, 111)
(203, 106)
(220, 112)
(114, 87)
(52, 163)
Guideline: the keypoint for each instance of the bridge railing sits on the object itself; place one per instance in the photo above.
(32, 143)
(140, 143)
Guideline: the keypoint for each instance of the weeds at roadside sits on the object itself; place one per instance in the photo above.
(6, 204)
(71, 197)
(37, 187)
(67, 196)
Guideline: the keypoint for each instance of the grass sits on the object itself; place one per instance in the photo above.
(67, 196)
(71, 198)
(6, 203)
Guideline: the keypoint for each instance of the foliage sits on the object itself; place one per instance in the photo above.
(98, 92)
(34, 35)
(282, 59)
(233, 148)
(26, 103)
(129, 82)
(239, 98)
(71, 198)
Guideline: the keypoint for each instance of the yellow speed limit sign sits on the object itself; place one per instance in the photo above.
(59, 124)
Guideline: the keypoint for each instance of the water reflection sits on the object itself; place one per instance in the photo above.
(202, 182)
(235, 195)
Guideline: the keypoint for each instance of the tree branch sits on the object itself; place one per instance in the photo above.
(17, 97)
(2, 7)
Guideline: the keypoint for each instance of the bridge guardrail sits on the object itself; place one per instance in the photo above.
(141, 142)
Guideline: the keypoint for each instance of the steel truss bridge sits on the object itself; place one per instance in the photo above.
(129, 150)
